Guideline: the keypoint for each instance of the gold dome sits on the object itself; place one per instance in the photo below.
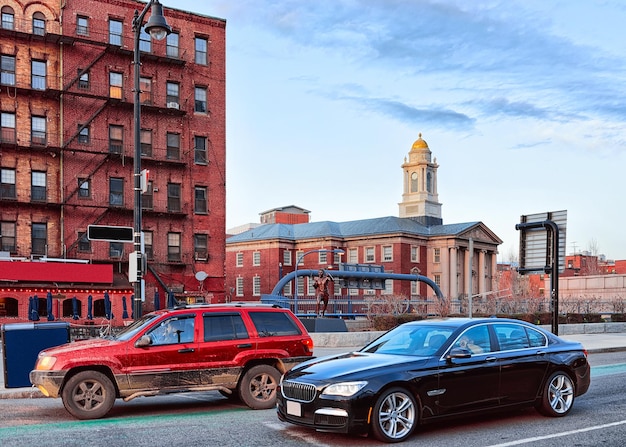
(419, 143)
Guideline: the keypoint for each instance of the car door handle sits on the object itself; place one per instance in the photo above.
(491, 359)
(184, 350)
(245, 345)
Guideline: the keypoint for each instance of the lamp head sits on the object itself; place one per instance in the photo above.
(157, 26)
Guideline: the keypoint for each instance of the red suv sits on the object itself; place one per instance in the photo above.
(240, 350)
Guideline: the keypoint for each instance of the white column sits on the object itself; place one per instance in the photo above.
(454, 280)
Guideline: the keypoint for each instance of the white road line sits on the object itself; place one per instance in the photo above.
(558, 435)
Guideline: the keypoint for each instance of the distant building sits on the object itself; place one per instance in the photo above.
(66, 155)
(460, 258)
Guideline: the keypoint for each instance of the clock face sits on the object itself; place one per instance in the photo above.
(414, 176)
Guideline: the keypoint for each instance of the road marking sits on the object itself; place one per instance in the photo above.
(606, 370)
(559, 435)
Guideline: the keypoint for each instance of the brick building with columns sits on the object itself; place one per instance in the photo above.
(459, 257)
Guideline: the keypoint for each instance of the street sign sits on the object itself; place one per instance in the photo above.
(110, 233)
(536, 241)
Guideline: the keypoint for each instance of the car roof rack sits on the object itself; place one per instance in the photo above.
(236, 304)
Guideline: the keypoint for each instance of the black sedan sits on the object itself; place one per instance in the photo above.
(428, 370)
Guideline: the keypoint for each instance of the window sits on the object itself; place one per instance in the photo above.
(256, 287)
(173, 197)
(145, 43)
(7, 70)
(200, 247)
(38, 186)
(239, 286)
(115, 32)
(116, 191)
(300, 285)
(239, 261)
(475, 339)
(115, 85)
(300, 257)
(8, 18)
(199, 150)
(322, 257)
(83, 134)
(438, 280)
(116, 139)
(387, 253)
(145, 90)
(200, 201)
(83, 79)
(200, 104)
(82, 26)
(172, 90)
(437, 255)
(147, 198)
(311, 287)
(256, 258)
(201, 46)
(388, 284)
(7, 183)
(7, 236)
(337, 257)
(353, 256)
(39, 238)
(173, 247)
(84, 244)
(287, 289)
(147, 243)
(145, 138)
(8, 127)
(39, 24)
(84, 188)
(224, 327)
(171, 45)
(173, 146)
(415, 254)
(116, 250)
(287, 258)
(369, 254)
(38, 130)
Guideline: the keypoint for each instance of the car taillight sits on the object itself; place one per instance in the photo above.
(308, 344)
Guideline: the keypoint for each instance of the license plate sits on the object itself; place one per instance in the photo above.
(294, 408)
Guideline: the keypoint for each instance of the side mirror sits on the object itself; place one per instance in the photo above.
(458, 353)
(144, 341)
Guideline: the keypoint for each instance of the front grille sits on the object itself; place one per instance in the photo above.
(301, 392)
(330, 420)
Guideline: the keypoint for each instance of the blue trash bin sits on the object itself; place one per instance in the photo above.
(22, 342)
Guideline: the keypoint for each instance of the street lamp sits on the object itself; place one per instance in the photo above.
(158, 28)
(295, 295)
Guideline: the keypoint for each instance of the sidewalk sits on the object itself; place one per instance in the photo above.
(337, 342)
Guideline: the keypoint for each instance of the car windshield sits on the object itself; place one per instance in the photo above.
(411, 340)
(136, 326)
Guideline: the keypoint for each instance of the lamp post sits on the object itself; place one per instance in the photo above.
(158, 28)
(295, 295)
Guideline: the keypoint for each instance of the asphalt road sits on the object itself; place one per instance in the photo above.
(207, 419)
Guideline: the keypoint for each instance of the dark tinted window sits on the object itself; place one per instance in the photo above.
(224, 327)
(271, 324)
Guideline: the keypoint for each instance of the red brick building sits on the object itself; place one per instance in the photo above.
(66, 153)
(460, 258)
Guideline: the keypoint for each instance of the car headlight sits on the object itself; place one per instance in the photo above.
(45, 363)
(344, 389)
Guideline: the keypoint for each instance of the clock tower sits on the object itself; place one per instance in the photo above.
(419, 197)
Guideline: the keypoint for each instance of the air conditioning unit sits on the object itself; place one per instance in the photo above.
(173, 105)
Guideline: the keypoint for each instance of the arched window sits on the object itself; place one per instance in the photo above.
(8, 17)
(414, 182)
(39, 24)
(429, 182)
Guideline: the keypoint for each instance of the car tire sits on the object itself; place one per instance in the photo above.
(88, 395)
(557, 397)
(395, 415)
(257, 388)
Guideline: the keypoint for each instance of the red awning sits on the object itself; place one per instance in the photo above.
(56, 272)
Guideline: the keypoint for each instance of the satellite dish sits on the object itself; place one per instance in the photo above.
(201, 276)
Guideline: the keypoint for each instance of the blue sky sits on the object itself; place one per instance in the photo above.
(522, 102)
